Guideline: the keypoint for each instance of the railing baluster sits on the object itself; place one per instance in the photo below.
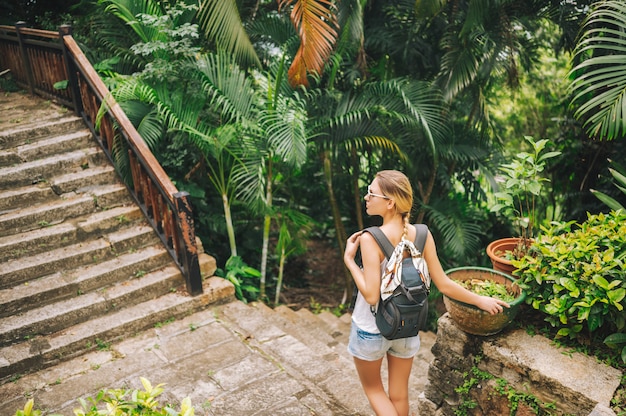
(24, 54)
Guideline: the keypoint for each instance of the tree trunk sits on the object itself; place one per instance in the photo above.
(266, 233)
(355, 187)
(229, 225)
(340, 229)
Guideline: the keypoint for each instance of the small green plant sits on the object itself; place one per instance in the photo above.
(315, 306)
(516, 397)
(243, 277)
(102, 345)
(617, 341)
(123, 402)
(167, 321)
(28, 409)
(521, 195)
(487, 288)
(476, 377)
(471, 379)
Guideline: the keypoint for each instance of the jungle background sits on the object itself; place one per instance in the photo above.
(275, 115)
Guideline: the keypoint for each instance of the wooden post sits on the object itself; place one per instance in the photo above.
(29, 70)
(189, 253)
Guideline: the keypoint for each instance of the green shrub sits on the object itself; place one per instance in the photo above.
(122, 402)
(575, 274)
(245, 278)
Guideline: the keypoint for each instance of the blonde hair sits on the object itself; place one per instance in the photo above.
(397, 186)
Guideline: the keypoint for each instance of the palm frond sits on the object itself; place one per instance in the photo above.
(416, 105)
(461, 232)
(315, 22)
(248, 174)
(146, 120)
(221, 22)
(376, 142)
(229, 90)
(460, 64)
(128, 10)
(285, 130)
(599, 86)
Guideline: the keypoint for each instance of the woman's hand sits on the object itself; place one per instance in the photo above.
(352, 245)
(492, 305)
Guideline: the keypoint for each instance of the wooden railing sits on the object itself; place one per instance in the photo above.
(39, 60)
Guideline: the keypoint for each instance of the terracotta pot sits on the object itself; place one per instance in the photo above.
(474, 320)
(496, 250)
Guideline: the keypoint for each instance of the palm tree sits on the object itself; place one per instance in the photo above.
(599, 78)
(281, 146)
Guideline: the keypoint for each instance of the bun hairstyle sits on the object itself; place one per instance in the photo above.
(397, 186)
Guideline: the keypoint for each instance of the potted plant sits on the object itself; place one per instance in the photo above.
(487, 282)
(519, 198)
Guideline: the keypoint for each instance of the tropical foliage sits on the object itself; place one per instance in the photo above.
(263, 108)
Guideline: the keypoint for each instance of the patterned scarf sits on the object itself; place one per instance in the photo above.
(392, 275)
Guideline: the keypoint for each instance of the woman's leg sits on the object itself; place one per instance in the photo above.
(399, 372)
(369, 374)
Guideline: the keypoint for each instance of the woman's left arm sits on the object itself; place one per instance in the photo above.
(453, 290)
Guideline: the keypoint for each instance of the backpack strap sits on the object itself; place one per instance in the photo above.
(382, 240)
(421, 232)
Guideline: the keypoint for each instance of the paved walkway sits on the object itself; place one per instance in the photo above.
(233, 359)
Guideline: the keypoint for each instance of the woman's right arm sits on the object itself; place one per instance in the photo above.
(367, 279)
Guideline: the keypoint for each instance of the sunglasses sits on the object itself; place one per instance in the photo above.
(370, 194)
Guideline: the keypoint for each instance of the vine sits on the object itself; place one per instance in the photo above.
(475, 376)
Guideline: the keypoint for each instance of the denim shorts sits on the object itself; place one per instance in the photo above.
(372, 347)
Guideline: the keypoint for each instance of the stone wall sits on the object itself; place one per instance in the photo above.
(498, 370)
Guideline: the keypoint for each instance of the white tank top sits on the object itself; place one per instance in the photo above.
(362, 315)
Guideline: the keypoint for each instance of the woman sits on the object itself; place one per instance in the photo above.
(390, 196)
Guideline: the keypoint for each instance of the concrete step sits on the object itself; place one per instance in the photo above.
(221, 369)
(42, 148)
(24, 269)
(84, 179)
(81, 307)
(42, 170)
(40, 352)
(19, 197)
(21, 109)
(28, 130)
(337, 327)
(59, 235)
(62, 208)
(64, 285)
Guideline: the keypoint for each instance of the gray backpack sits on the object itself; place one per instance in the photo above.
(405, 312)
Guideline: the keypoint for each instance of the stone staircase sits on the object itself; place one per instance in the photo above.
(79, 264)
